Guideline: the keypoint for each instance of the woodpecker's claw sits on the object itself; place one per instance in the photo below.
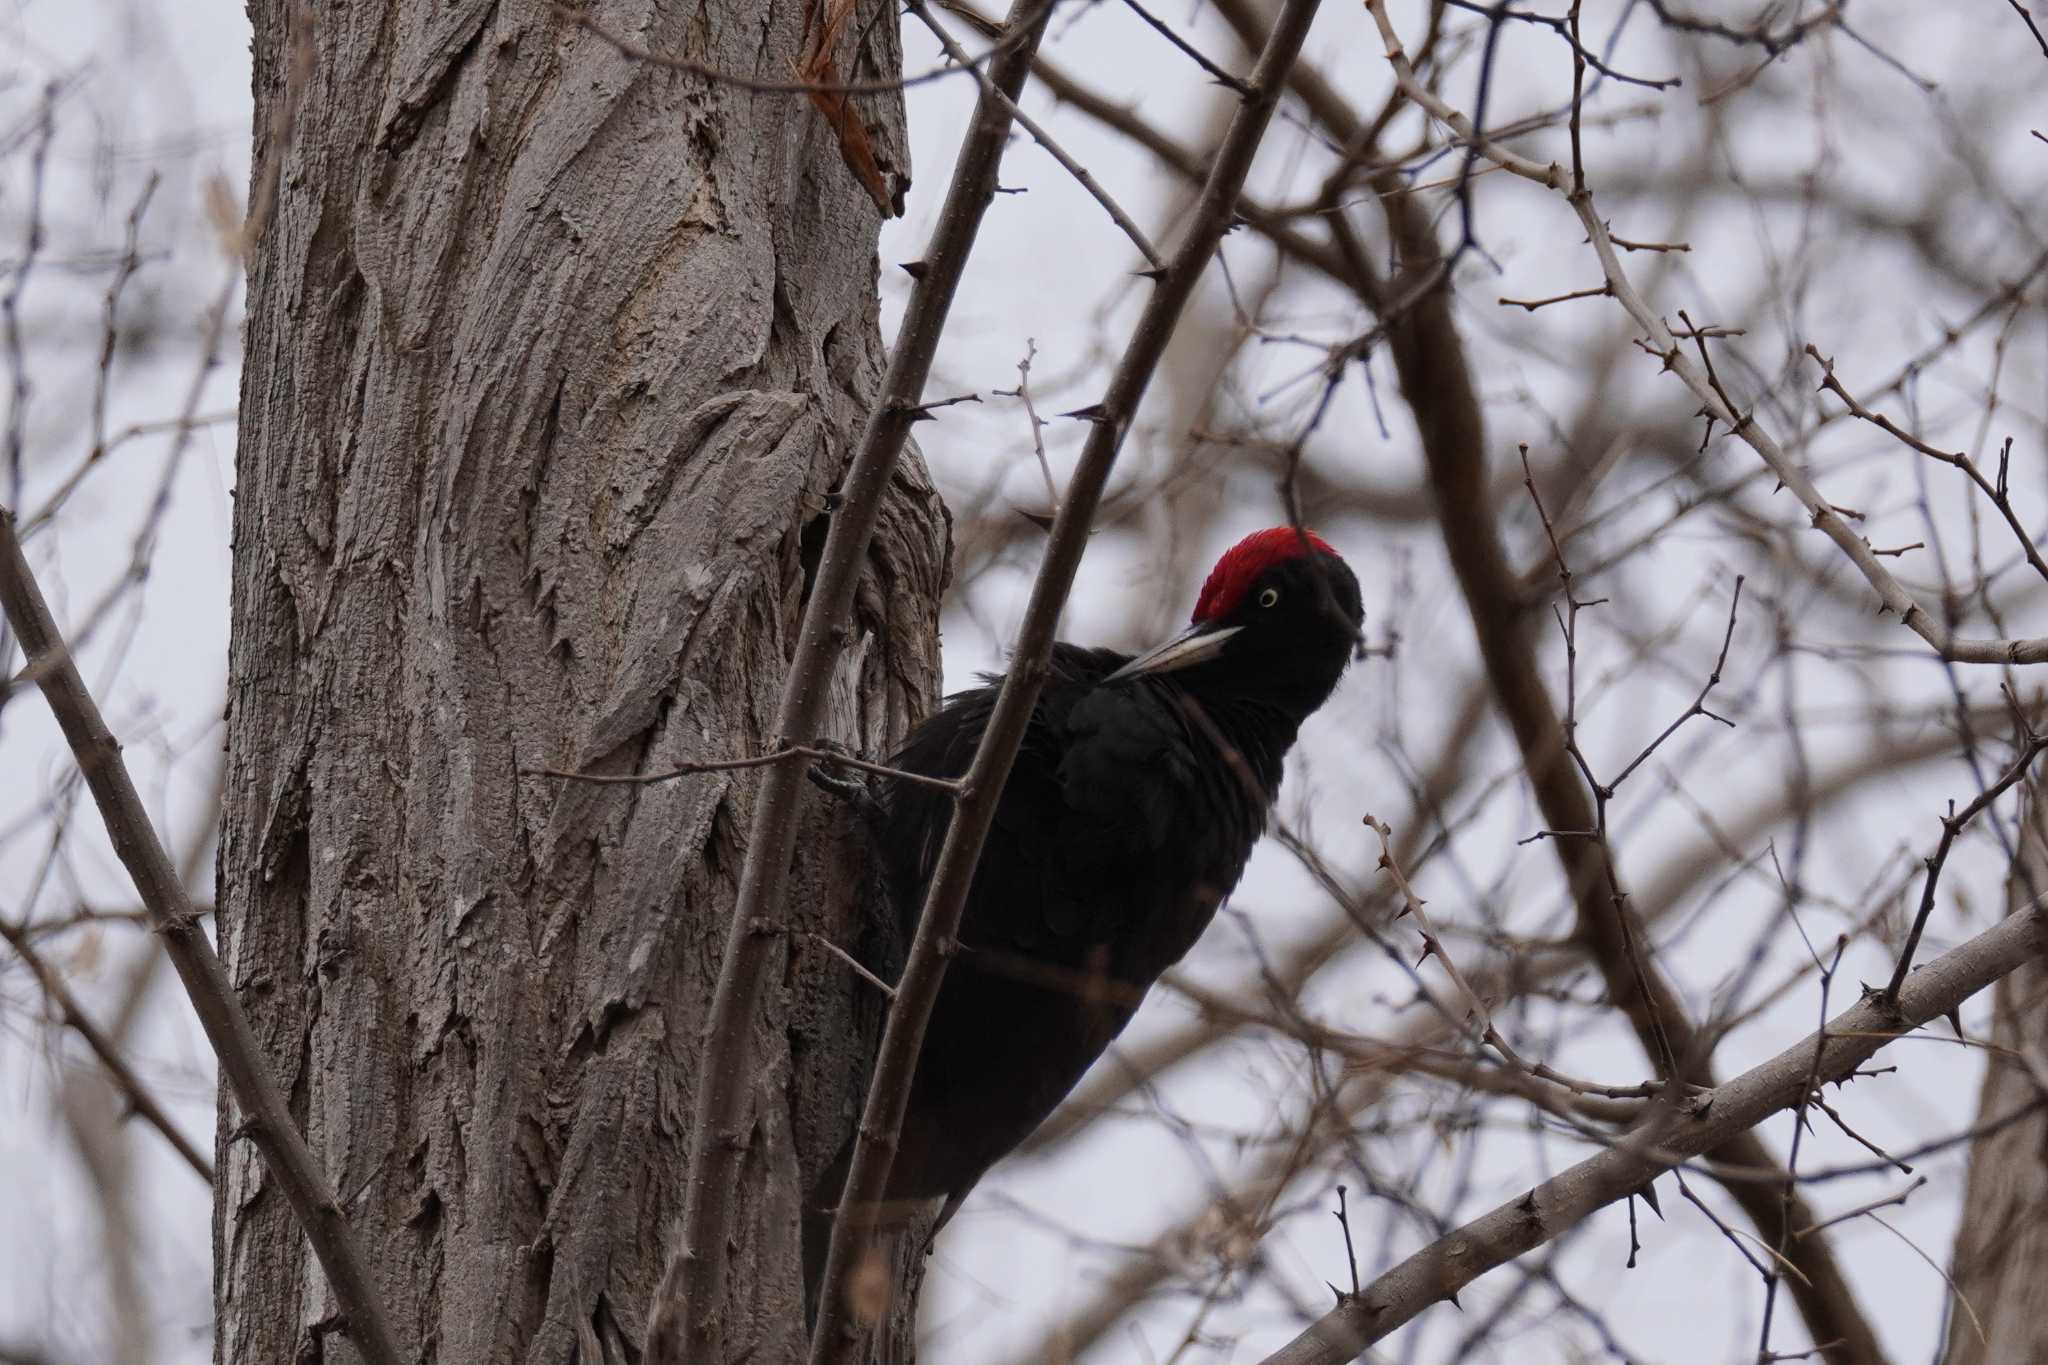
(844, 784)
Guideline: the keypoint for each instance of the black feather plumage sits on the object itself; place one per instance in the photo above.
(1133, 805)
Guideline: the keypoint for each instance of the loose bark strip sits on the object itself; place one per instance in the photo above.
(835, 1336)
(265, 1117)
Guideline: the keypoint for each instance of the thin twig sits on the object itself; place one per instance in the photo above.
(1976, 1323)
(1189, 50)
(1999, 494)
(1952, 825)
(1531, 305)
(1350, 1252)
(1447, 1265)
(1900, 1199)
(811, 752)
(135, 431)
(1087, 181)
(131, 1085)
(2027, 18)
(15, 448)
(758, 85)
(1491, 1036)
(1023, 394)
(858, 967)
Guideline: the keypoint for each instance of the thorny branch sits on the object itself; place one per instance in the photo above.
(810, 752)
(1825, 517)
(1373, 1076)
(1429, 357)
(1824, 514)
(1953, 824)
(1440, 1270)
(1489, 1033)
(834, 1335)
(1999, 494)
(687, 1319)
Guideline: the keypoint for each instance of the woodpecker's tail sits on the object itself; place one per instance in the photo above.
(885, 1227)
(820, 1203)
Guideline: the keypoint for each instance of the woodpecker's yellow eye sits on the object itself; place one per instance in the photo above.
(1270, 597)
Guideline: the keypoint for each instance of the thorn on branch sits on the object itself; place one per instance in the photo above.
(1350, 1254)
(1626, 245)
(922, 412)
(1604, 291)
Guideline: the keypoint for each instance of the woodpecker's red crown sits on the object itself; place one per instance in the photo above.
(1243, 562)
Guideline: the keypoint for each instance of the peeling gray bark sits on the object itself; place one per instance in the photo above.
(2001, 1255)
(552, 360)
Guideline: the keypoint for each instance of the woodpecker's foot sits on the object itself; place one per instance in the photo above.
(851, 787)
(844, 784)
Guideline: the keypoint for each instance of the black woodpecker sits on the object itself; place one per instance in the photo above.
(1142, 784)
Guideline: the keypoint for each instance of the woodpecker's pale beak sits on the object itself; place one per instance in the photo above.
(1196, 644)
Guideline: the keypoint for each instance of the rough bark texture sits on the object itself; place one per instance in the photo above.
(553, 358)
(2001, 1258)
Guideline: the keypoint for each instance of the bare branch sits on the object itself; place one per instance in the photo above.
(1440, 1270)
(1824, 514)
(687, 1319)
(131, 1086)
(265, 1115)
(889, 1093)
(811, 752)
(1826, 517)
(1999, 494)
(1125, 223)
(1429, 356)
(1953, 824)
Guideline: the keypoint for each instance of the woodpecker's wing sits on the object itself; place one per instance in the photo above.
(1110, 848)
(1094, 803)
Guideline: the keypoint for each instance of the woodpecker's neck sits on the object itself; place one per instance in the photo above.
(1253, 710)
(1249, 732)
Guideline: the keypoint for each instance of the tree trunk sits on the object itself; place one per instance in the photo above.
(2001, 1257)
(553, 360)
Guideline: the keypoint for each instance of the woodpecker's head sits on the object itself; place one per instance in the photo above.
(1280, 613)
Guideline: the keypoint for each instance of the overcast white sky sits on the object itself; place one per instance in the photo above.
(152, 91)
